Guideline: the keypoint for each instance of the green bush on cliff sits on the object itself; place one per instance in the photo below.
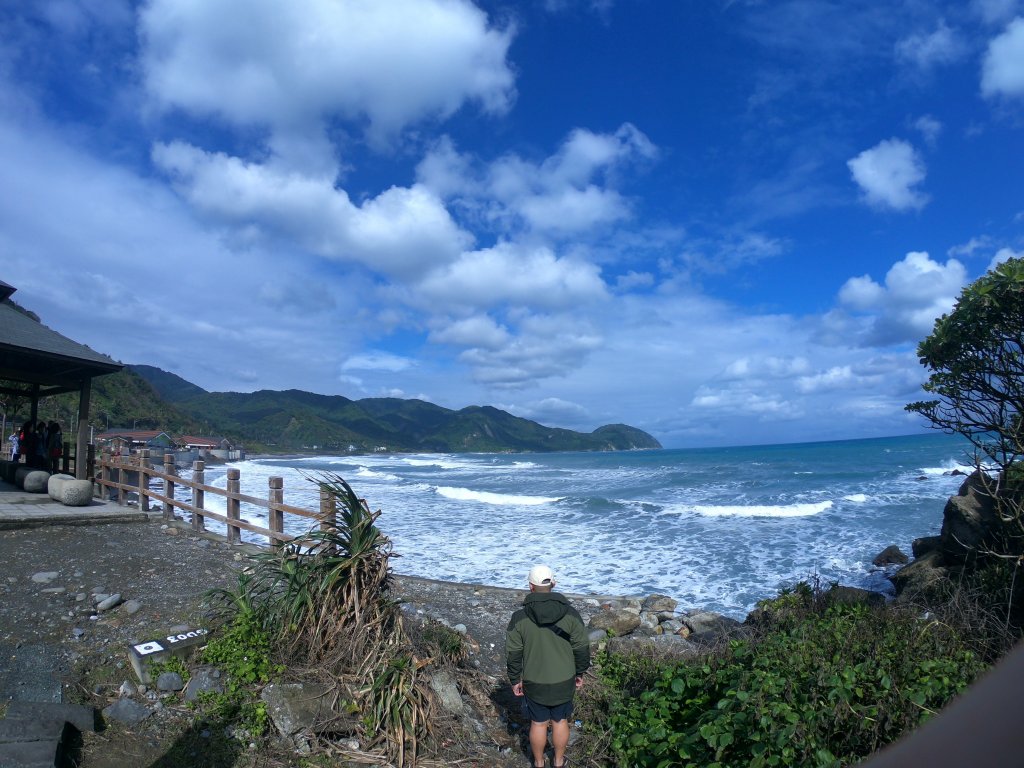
(821, 687)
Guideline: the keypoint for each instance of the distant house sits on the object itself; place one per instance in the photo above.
(193, 443)
(128, 440)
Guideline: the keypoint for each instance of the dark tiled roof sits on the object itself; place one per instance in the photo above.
(32, 353)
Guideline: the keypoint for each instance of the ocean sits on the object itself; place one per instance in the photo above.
(716, 528)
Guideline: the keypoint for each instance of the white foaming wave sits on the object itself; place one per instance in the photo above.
(948, 468)
(523, 464)
(368, 473)
(857, 498)
(790, 510)
(506, 499)
(442, 463)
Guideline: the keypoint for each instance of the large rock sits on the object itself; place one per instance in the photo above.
(36, 481)
(920, 576)
(76, 493)
(55, 485)
(660, 604)
(618, 621)
(925, 544)
(296, 707)
(970, 519)
(710, 628)
(891, 555)
(442, 683)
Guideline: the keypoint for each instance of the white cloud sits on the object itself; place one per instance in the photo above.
(925, 51)
(972, 245)
(929, 127)
(480, 331)
(917, 290)
(509, 273)
(378, 361)
(289, 64)
(567, 194)
(888, 174)
(1004, 254)
(546, 346)
(1002, 71)
(402, 231)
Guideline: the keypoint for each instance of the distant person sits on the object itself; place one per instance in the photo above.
(54, 445)
(42, 460)
(546, 654)
(13, 440)
(27, 442)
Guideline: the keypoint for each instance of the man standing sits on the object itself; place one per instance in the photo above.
(546, 654)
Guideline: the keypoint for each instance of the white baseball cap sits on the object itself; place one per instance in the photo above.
(541, 576)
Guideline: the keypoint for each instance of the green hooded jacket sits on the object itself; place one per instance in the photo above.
(546, 647)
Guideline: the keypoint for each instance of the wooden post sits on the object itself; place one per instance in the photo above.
(275, 516)
(65, 457)
(101, 486)
(84, 395)
(234, 487)
(198, 477)
(121, 477)
(90, 461)
(169, 486)
(144, 480)
(328, 511)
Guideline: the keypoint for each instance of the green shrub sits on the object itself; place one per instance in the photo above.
(820, 689)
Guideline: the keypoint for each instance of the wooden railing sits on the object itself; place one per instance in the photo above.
(134, 474)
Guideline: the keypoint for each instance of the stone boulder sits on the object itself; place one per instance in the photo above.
(925, 544)
(891, 555)
(920, 576)
(76, 493)
(710, 628)
(55, 485)
(969, 519)
(618, 621)
(663, 605)
(838, 594)
(36, 481)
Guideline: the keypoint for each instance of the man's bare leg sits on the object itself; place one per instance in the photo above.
(559, 740)
(538, 741)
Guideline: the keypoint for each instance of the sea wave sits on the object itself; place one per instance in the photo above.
(505, 499)
(789, 510)
(857, 498)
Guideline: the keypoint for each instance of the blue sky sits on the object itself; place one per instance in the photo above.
(722, 222)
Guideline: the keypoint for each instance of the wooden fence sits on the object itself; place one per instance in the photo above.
(134, 474)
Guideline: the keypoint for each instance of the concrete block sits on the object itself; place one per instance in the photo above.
(36, 481)
(55, 485)
(76, 493)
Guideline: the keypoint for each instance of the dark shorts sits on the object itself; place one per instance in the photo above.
(541, 714)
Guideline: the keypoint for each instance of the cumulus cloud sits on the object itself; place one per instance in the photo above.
(286, 64)
(888, 175)
(925, 51)
(546, 346)
(480, 331)
(567, 194)
(1002, 70)
(917, 290)
(401, 232)
(510, 273)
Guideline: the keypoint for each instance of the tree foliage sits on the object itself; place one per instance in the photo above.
(975, 355)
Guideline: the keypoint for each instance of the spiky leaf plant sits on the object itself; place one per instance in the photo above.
(325, 600)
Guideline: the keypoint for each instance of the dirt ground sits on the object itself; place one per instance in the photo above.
(53, 641)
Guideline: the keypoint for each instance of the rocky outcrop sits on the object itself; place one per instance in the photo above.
(970, 524)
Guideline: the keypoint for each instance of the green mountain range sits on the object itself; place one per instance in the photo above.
(294, 420)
